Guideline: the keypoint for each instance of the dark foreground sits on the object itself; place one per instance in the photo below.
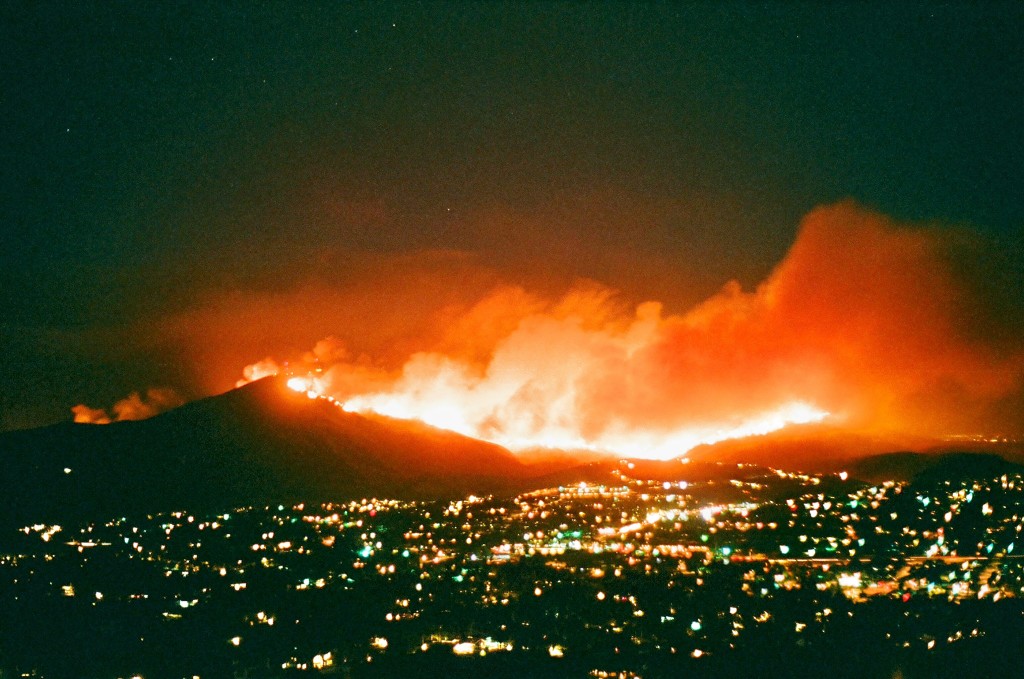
(765, 575)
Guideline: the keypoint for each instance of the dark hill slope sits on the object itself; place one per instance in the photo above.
(924, 468)
(259, 444)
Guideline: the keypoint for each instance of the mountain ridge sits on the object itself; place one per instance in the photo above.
(258, 444)
(266, 444)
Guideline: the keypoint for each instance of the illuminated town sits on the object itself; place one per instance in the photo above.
(646, 578)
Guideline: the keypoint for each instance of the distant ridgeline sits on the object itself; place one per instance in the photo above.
(264, 444)
(259, 444)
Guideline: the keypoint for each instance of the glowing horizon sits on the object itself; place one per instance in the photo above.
(635, 444)
(861, 322)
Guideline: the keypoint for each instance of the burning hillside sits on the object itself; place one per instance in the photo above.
(867, 324)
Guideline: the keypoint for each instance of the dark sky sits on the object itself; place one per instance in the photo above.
(157, 156)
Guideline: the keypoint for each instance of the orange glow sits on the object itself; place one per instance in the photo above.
(298, 384)
(257, 371)
(538, 389)
(445, 413)
(861, 323)
(135, 406)
(305, 385)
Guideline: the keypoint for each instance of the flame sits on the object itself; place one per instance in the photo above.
(865, 320)
(890, 326)
(299, 384)
(444, 394)
(305, 385)
(637, 444)
(573, 374)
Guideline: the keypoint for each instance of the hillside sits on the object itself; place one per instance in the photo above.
(259, 444)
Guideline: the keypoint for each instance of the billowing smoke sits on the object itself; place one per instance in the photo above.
(890, 322)
(133, 407)
(866, 320)
(86, 415)
(257, 371)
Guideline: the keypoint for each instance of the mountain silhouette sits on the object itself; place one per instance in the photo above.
(259, 444)
(265, 444)
(924, 468)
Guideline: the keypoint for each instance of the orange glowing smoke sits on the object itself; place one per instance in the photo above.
(133, 407)
(547, 381)
(861, 322)
(506, 407)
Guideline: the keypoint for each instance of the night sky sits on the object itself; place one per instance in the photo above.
(188, 188)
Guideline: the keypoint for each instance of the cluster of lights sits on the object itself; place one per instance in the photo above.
(585, 543)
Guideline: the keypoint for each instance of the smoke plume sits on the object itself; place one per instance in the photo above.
(865, 320)
(133, 407)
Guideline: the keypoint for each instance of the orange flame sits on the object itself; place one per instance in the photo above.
(535, 391)
(865, 320)
(666, 445)
(637, 444)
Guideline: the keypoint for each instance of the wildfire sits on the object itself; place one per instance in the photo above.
(862, 321)
(304, 385)
(581, 373)
(446, 414)
(865, 320)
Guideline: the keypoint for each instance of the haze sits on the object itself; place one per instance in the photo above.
(567, 225)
